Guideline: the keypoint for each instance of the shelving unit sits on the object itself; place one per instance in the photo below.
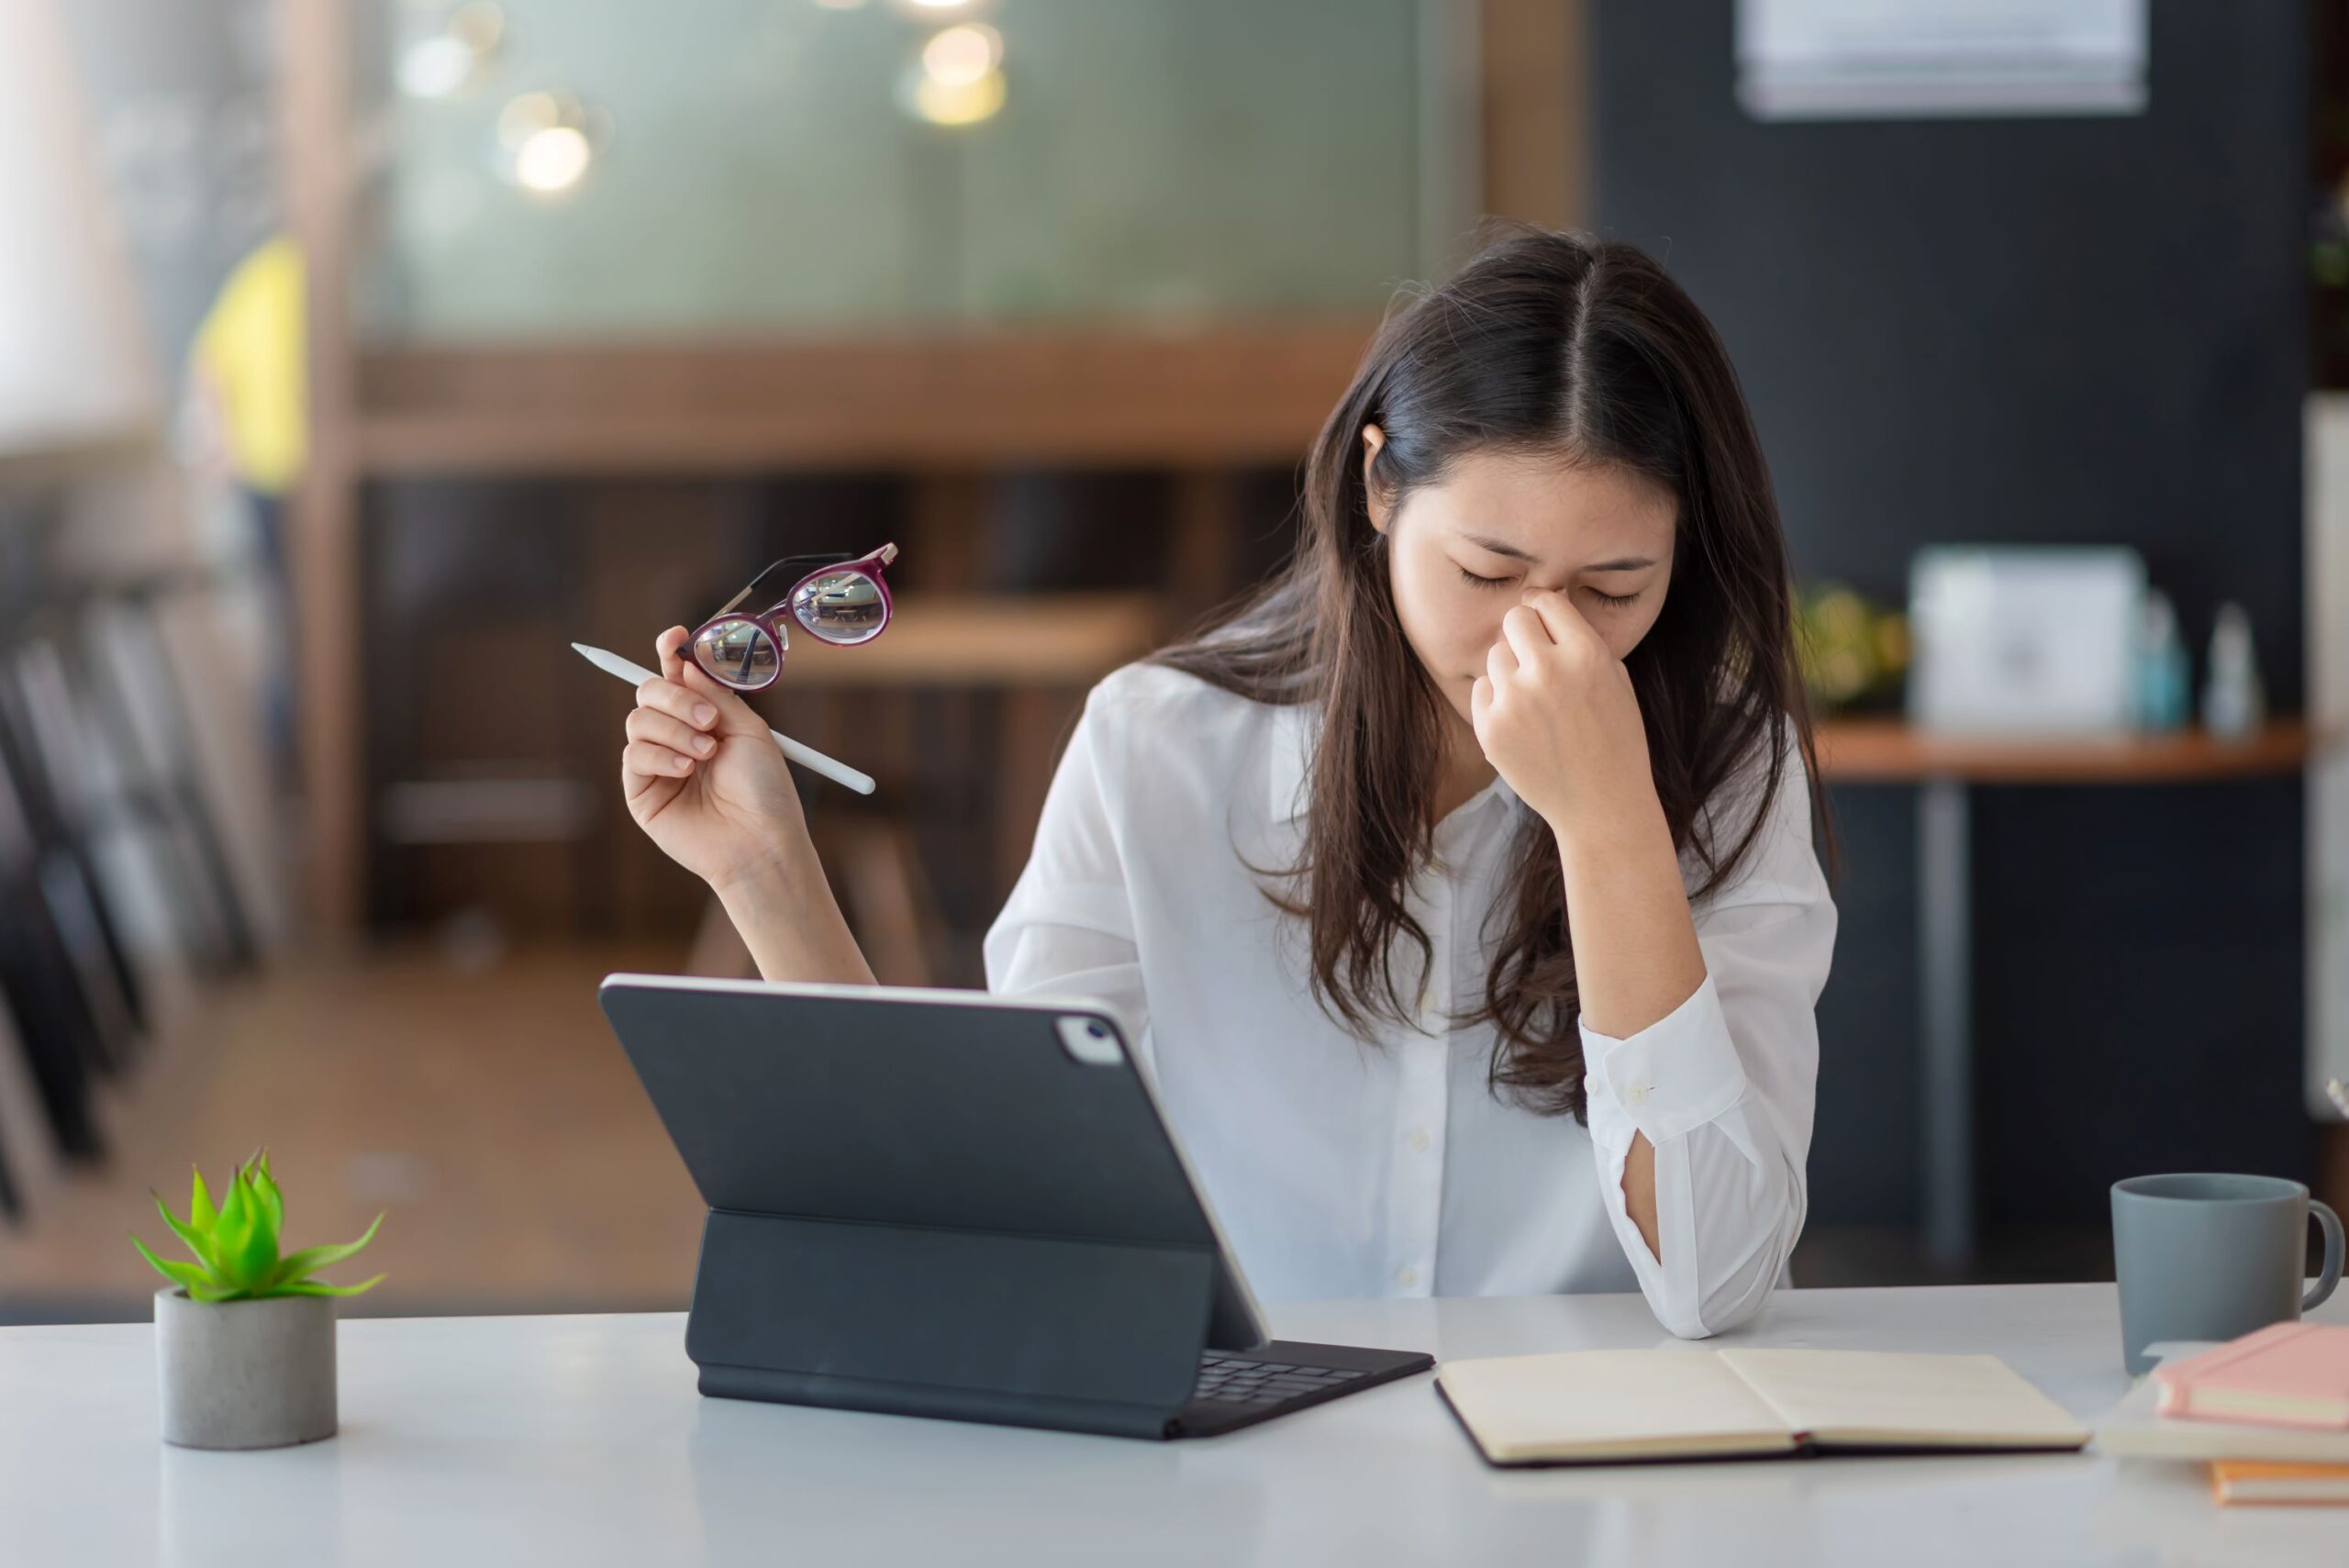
(1944, 769)
(1203, 406)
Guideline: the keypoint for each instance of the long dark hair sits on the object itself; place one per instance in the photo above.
(1569, 346)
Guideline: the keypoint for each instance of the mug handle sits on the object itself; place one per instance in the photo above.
(2330, 1274)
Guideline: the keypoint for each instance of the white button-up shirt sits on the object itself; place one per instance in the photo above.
(1341, 1167)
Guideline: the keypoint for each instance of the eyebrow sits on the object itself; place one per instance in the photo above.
(1626, 564)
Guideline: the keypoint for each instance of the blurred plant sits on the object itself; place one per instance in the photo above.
(1852, 650)
(236, 1243)
(2327, 238)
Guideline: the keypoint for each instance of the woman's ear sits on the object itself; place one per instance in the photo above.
(1373, 439)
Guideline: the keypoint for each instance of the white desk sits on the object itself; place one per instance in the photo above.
(580, 1442)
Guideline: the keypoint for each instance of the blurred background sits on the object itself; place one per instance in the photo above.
(357, 355)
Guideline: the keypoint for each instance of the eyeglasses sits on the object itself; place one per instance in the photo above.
(844, 601)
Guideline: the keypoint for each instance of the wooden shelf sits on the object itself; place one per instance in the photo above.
(1886, 751)
(1201, 399)
(986, 640)
(1219, 395)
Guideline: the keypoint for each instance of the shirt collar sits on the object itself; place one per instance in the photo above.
(1295, 726)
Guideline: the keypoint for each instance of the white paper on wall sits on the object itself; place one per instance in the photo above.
(1800, 60)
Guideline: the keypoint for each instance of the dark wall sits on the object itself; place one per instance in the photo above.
(2081, 331)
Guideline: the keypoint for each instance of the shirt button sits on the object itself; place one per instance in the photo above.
(1636, 1094)
(1419, 1140)
(1406, 1275)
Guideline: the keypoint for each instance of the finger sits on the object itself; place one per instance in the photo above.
(664, 729)
(734, 715)
(1566, 624)
(635, 784)
(1500, 665)
(655, 759)
(673, 699)
(1527, 636)
(670, 645)
(1480, 702)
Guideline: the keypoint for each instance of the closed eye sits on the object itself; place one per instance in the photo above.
(1611, 601)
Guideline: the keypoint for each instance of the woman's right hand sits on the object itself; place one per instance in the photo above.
(705, 779)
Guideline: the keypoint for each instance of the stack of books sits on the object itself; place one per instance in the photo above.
(2269, 1412)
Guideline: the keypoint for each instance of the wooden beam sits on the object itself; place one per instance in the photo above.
(894, 400)
(1241, 394)
(1204, 541)
(1535, 138)
(314, 54)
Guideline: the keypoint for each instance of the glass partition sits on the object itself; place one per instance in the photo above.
(572, 168)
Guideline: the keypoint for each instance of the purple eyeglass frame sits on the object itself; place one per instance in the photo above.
(774, 620)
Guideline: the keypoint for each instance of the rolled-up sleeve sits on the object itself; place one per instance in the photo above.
(1068, 930)
(1723, 1086)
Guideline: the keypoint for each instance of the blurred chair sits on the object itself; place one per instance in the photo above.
(96, 746)
(42, 758)
(60, 1037)
(128, 683)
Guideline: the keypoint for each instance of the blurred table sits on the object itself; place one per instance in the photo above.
(1944, 768)
(1035, 654)
(581, 1441)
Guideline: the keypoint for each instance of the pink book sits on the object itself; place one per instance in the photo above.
(2287, 1374)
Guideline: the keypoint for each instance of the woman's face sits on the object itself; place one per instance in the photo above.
(1461, 553)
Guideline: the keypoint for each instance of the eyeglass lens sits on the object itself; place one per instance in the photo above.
(739, 653)
(842, 608)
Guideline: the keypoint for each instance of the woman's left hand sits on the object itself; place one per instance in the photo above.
(1556, 715)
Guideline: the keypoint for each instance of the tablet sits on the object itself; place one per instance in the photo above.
(899, 1105)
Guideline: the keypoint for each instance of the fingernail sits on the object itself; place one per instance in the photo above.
(682, 765)
(703, 744)
(704, 713)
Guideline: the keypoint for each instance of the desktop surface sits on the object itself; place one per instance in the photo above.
(581, 1439)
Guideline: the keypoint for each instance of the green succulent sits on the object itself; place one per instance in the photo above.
(236, 1243)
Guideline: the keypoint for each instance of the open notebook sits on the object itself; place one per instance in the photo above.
(1583, 1407)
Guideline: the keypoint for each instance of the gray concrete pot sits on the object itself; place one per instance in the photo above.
(245, 1374)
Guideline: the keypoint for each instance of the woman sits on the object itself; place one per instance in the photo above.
(1459, 888)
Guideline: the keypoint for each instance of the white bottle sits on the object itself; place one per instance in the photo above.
(2233, 705)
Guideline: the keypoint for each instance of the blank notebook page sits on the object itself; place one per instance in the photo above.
(1875, 1396)
(1613, 1402)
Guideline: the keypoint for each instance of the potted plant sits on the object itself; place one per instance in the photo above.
(244, 1338)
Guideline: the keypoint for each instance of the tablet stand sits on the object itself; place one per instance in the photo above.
(1088, 1336)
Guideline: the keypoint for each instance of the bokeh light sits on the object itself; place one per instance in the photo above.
(553, 159)
(943, 104)
(962, 56)
(457, 55)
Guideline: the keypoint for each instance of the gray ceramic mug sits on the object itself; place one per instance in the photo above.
(2211, 1256)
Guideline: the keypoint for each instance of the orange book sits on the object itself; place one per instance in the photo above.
(2249, 1481)
(2287, 1374)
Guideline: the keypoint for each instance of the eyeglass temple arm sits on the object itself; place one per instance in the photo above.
(824, 558)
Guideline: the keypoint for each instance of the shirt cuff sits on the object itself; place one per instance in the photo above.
(1673, 1076)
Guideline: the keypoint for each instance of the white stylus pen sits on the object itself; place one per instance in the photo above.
(805, 756)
